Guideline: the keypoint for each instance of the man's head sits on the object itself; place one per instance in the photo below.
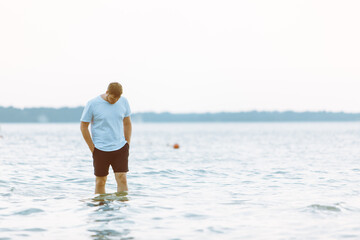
(113, 92)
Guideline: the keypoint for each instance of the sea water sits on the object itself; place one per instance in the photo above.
(226, 181)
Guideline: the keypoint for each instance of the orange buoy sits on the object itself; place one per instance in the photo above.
(176, 146)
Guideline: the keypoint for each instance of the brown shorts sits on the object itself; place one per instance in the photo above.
(117, 159)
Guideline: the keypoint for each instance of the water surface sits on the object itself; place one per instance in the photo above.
(226, 181)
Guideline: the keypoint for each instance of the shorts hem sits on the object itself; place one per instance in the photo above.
(101, 175)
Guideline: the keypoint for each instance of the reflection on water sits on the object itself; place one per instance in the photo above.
(110, 234)
(105, 198)
(107, 213)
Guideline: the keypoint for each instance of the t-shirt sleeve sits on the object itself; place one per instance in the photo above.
(87, 113)
(127, 108)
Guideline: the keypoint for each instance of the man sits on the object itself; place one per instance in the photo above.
(109, 142)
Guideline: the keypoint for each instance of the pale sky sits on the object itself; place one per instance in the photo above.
(182, 56)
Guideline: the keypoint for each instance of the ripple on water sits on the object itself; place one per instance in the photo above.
(324, 208)
(215, 230)
(109, 219)
(35, 230)
(104, 234)
(236, 202)
(170, 173)
(5, 194)
(29, 211)
(6, 230)
(39, 199)
(195, 216)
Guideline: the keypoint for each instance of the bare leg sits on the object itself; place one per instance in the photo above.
(121, 181)
(100, 184)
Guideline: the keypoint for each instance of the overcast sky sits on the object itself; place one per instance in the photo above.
(182, 56)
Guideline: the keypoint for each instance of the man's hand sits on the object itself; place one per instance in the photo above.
(127, 129)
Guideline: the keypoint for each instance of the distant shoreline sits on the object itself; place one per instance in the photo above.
(72, 115)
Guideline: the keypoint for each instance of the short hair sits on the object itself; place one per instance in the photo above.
(115, 89)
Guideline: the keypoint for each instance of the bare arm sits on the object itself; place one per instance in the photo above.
(127, 129)
(84, 127)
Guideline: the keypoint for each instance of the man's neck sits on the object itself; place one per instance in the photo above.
(103, 96)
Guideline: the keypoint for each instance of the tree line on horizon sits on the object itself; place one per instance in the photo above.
(67, 114)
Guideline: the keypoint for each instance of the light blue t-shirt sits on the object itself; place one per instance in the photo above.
(107, 130)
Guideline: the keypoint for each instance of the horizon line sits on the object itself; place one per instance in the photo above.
(205, 112)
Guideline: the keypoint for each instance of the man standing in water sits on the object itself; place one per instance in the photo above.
(109, 115)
